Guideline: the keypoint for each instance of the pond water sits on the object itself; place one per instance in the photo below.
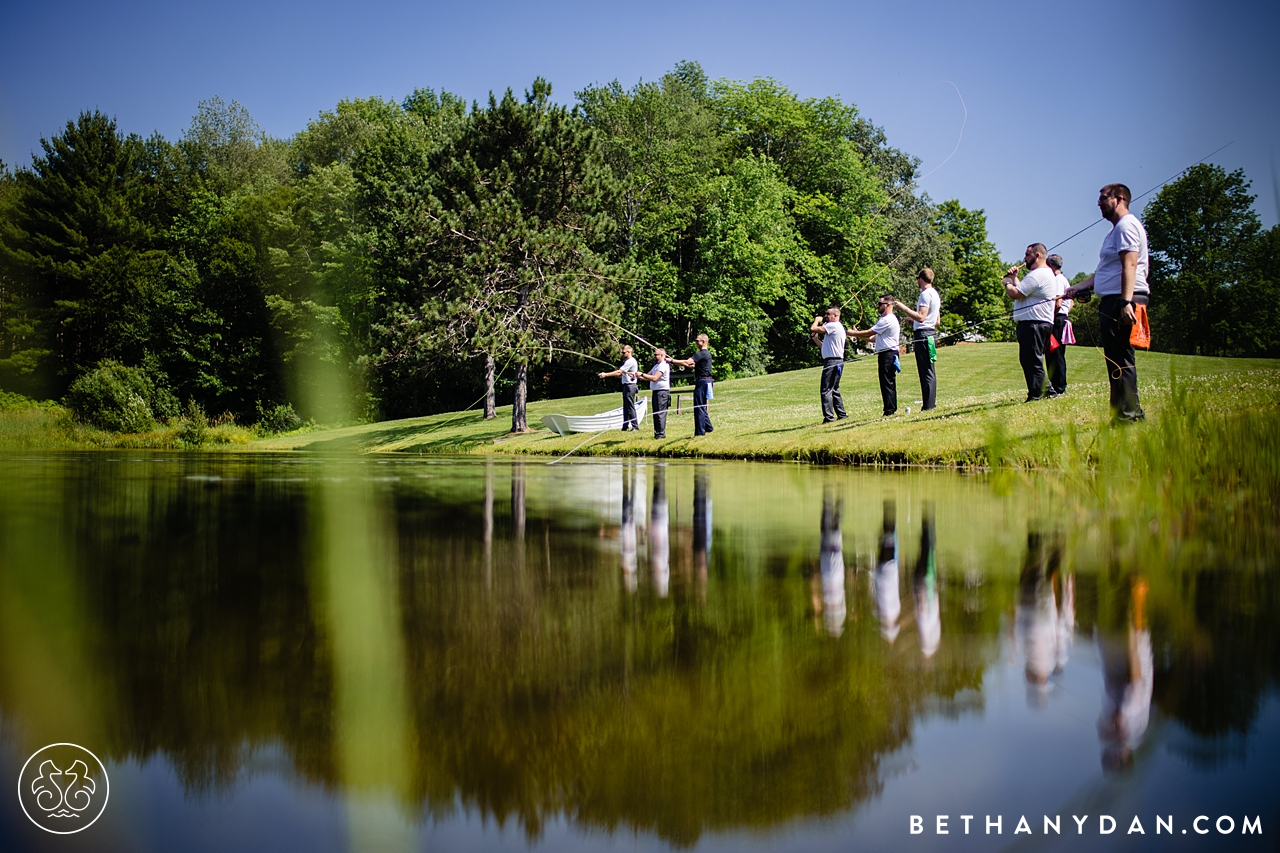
(424, 653)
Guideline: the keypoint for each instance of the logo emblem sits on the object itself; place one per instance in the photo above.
(63, 788)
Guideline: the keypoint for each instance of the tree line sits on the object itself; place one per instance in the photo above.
(395, 259)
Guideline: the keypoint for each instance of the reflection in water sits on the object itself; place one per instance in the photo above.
(831, 565)
(362, 622)
(1128, 672)
(884, 578)
(1037, 614)
(928, 606)
(701, 531)
(627, 532)
(659, 532)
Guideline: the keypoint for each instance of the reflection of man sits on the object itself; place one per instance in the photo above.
(833, 336)
(628, 531)
(1128, 672)
(659, 533)
(831, 566)
(884, 578)
(1037, 620)
(628, 372)
(928, 608)
(1033, 300)
(701, 530)
(1065, 594)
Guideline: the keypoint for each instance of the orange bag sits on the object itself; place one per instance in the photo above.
(1140, 334)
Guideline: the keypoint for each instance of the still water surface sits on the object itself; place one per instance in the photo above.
(322, 654)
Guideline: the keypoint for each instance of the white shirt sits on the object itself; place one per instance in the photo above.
(1061, 280)
(629, 369)
(930, 305)
(1038, 290)
(1127, 235)
(887, 331)
(663, 372)
(833, 340)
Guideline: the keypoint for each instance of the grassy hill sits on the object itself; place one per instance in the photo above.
(980, 415)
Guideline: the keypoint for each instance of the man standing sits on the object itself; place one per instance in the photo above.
(659, 379)
(1121, 282)
(702, 385)
(1033, 300)
(833, 336)
(1062, 307)
(885, 333)
(628, 371)
(924, 322)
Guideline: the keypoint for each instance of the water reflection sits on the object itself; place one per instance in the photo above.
(1128, 672)
(925, 587)
(659, 532)
(370, 626)
(884, 578)
(831, 566)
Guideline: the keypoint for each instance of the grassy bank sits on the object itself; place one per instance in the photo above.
(980, 418)
(28, 425)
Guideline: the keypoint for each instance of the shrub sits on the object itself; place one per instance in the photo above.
(118, 398)
(193, 427)
(281, 418)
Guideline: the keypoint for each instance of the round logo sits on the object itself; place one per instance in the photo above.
(63, 788)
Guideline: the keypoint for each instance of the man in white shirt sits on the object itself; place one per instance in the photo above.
(1033, 298)
(1057, 360)
(1121, 281)
(659, 379)
(924, 323)
(629, 371)
(833, 336)
(885, 333)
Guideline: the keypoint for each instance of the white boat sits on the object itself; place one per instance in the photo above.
(612, 419)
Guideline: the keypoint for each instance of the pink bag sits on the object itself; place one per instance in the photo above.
(1068, 334)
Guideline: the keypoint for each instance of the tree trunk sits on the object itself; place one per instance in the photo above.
(519, 420)
(490, 401)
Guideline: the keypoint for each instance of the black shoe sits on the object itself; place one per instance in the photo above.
(828, 420)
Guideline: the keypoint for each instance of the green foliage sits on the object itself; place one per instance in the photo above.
(1214, 284)
(973, 292)
(277, 419)
(120, 399)
(193, 426)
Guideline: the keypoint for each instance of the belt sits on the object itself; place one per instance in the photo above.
(926, 333)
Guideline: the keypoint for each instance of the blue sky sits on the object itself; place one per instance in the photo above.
(1061, 98)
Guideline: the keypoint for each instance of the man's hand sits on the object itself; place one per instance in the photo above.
(1127, 316)
(603, 375)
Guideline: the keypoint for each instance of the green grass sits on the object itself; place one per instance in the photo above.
(29, 425)
(980, 418)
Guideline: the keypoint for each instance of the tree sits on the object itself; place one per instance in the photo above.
(972, 295)
(1206, 286)
(501, 247)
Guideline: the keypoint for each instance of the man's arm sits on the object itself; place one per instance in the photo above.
(1128, 280)
(819, 326)
(863, 334)
(683, 362)
(604, 375)
(1087, 284)
(1011, 285)
(914, 316)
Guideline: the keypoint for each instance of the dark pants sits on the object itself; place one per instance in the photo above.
(701, 419)
(1033, 340)
(629, 420)
(888, 381)
(661, 400)
(928, 378)
(1057, 360)
(1122, 370)
(832, 402)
